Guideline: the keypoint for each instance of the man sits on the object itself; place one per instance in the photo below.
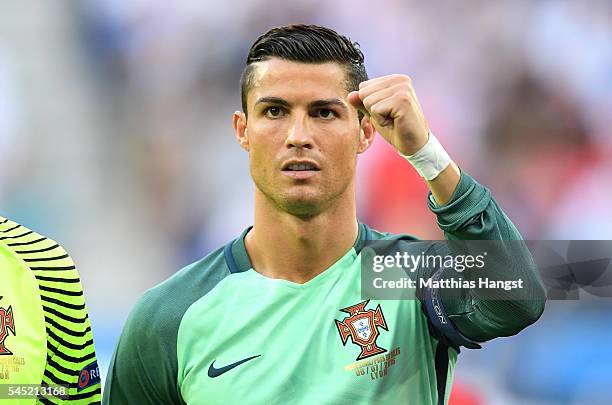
(45, 335)
(267, 318)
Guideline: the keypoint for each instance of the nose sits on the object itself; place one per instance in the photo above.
(300, 135)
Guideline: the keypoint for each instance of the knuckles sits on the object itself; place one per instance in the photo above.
(378, 110)
(401, 94)
(395, 78)
(402, 78)
(405, 98)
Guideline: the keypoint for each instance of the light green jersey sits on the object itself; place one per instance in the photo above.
(219, 332)
(45, 335)
(317, 342)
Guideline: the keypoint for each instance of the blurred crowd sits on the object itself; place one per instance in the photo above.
(115, 128)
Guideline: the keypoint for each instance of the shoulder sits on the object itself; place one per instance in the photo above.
(163, 306)
(35, 251)
(144, 366)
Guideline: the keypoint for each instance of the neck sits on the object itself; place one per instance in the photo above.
(281, 245)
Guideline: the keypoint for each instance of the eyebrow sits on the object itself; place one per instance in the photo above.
(273, 100)
(329, 102)
(315, 104)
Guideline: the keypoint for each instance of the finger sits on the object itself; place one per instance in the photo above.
(382, 94)
(354, 99)
(384, 80)
(401, 87)
(376, 80)
(382, 111)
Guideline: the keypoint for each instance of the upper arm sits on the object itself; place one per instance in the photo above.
(143, 369)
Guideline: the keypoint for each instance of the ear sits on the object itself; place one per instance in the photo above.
(366, 134)
(240, 129)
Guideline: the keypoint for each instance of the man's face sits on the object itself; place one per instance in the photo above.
(301, 134)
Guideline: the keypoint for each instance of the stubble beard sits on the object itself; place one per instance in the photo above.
(303, 205)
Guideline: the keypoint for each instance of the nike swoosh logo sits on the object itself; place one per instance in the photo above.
(216, 372)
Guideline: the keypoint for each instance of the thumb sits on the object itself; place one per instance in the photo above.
(355, 101)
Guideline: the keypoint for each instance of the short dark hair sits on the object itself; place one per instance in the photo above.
(306, 44)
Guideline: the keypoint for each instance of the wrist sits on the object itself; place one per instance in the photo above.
(430, 160)
(413, 147)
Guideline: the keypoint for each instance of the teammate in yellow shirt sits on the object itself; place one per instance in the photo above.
(45, 334)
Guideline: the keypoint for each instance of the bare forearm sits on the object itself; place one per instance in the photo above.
(443, 186)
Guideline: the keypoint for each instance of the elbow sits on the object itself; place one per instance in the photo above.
(503, 318)
(529, 306)
(531, 311)
(538, 303)
(527, 312)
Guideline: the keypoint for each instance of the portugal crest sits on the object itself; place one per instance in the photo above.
(362, 326)
(7, 324)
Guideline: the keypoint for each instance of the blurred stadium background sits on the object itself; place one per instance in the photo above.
(116, 140)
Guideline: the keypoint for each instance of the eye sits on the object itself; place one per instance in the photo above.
(325, 113)
(273, 112)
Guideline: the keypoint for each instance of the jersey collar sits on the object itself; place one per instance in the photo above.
(237, 259)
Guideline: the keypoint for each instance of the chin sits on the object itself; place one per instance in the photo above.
(301, 206)
(303, 201)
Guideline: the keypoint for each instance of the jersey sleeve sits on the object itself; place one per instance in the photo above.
(144, 367)
(473, 214)
(71, 357)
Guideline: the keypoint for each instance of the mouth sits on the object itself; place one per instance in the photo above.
(300, 169)
(300, 166)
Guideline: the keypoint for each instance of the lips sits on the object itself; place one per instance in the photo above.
(300, 166)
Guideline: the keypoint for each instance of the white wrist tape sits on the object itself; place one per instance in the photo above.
(430, 160)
